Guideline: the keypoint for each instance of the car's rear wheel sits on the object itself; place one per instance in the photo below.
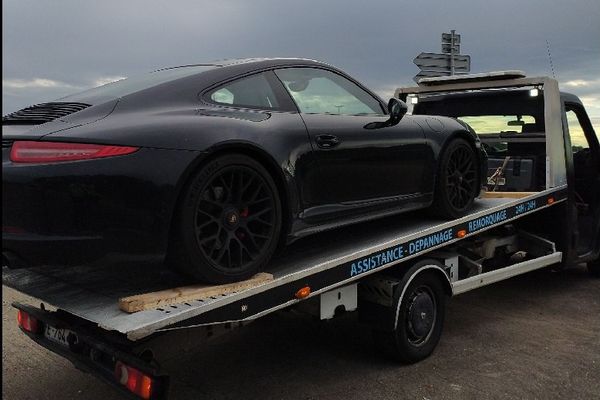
(229, 222)
(457, 183)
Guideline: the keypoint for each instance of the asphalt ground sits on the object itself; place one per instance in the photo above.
(536, 336)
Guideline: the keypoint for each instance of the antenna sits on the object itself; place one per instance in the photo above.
(550, 58)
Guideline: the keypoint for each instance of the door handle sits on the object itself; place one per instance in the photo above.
(327, 141)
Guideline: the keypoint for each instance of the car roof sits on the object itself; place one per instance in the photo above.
(255, 61)
(207, 75)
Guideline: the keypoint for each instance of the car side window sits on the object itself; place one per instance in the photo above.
(254, 92)
(319, 91)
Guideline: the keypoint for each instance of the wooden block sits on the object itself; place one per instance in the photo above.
(154, 300)
(507, 195)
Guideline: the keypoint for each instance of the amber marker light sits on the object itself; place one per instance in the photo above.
(303, 293)
(550, 200)
(461, 234)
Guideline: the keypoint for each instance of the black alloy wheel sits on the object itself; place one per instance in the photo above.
(235, 218)
(230, 221)
(461, 177)
(457, 183)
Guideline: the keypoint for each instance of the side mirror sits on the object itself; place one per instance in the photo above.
(397, 108)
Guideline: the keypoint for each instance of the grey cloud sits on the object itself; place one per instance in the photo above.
(80, 42)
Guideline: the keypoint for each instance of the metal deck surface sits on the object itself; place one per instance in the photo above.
(92, 293)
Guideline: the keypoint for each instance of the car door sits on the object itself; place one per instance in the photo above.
(360, 167)
(275, 125)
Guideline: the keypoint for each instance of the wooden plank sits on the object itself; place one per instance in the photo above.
(507, 195)
(154, 300)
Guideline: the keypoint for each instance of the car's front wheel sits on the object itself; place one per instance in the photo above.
(229, 222)
(457, 183)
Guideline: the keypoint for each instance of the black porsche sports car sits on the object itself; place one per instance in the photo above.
(211, 167)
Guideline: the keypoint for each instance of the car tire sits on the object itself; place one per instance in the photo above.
(457, 182)
(414, 337)
(594, 268)
(229, 221)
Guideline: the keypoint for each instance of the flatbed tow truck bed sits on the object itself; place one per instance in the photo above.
(93, 293)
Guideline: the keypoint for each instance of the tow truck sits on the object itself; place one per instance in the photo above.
(541, 210)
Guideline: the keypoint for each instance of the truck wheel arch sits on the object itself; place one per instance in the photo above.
(424, 266)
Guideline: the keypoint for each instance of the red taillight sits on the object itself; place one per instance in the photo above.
(12, 229)
(134, 380)
(48, 152)
(27, 322)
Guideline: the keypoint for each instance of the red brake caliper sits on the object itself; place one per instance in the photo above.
(244, 214)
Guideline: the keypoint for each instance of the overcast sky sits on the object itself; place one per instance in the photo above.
(53, 48)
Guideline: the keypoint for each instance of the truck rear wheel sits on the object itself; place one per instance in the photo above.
(419, 320)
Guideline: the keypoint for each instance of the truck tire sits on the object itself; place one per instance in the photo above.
(420, 319)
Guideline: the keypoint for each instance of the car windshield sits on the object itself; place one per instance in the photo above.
(493, 124)
(136, 83)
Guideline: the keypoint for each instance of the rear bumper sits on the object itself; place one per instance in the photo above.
(73, 213)
(20, 251)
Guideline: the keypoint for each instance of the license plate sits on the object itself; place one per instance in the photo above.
(58, 335)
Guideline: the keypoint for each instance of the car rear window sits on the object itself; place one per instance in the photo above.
(253, 92)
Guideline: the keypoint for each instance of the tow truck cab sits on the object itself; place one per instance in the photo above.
(523, 124)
